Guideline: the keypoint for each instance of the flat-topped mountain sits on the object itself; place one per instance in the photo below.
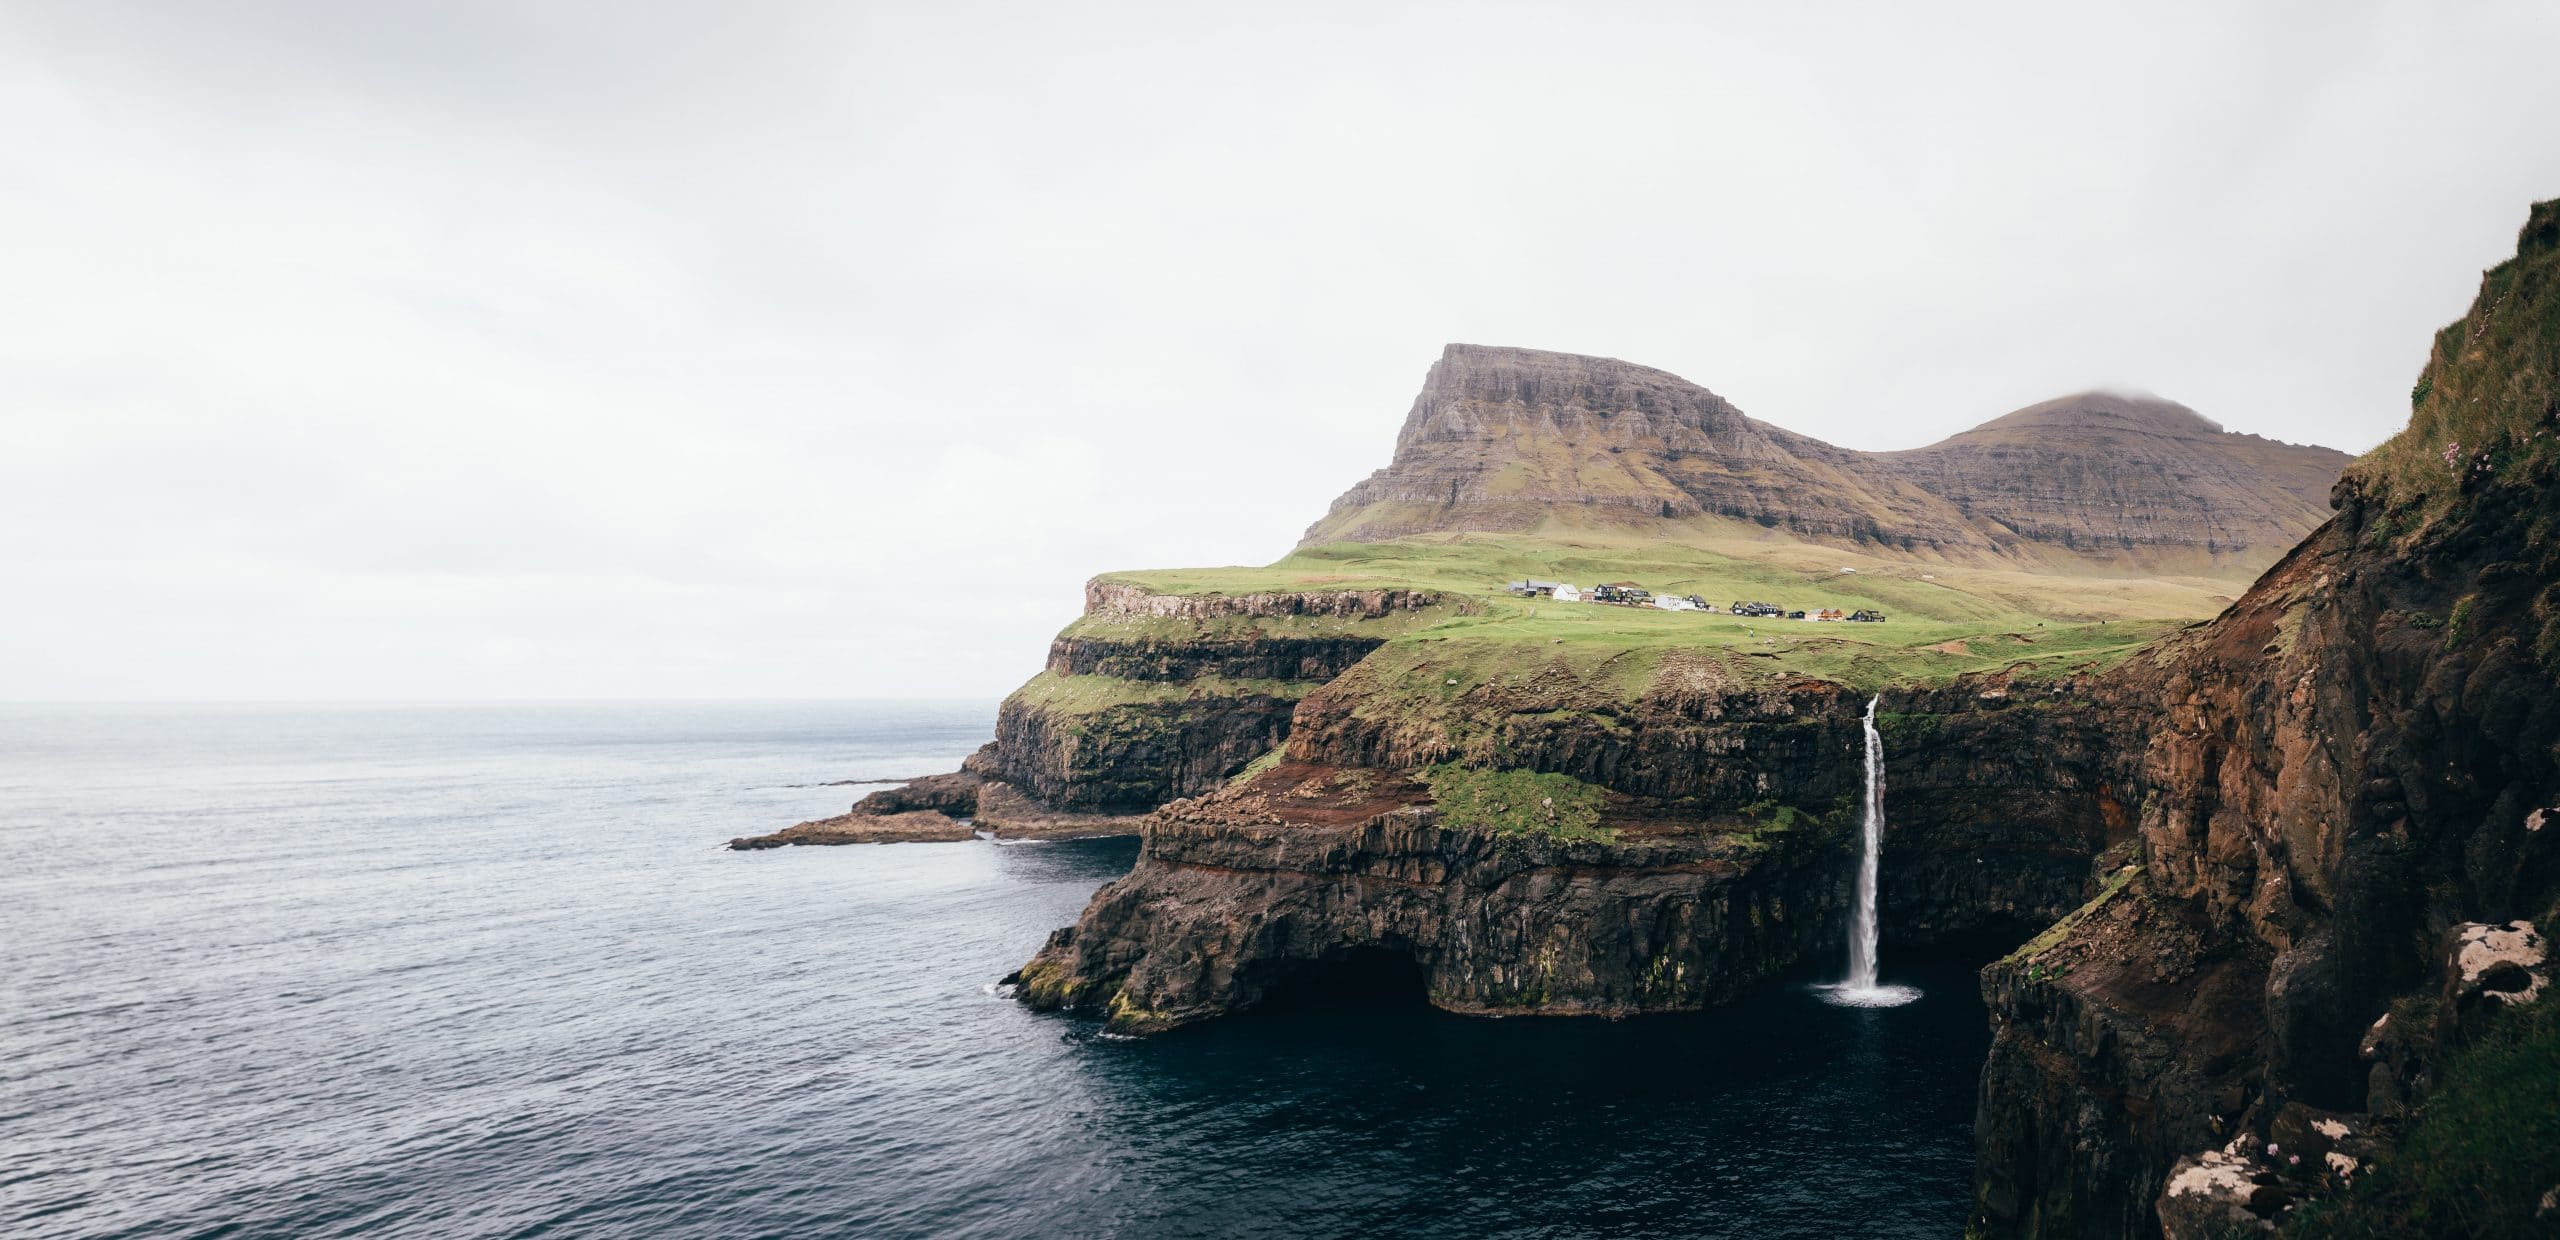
(1510, 440)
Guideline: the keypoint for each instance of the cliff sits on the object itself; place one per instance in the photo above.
(1309, 871)
(1713, 860)
(2345, 795)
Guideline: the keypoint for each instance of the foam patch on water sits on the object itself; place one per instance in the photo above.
(1845, 995)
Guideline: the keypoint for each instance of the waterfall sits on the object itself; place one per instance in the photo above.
(1861, 989)
(1862, 930)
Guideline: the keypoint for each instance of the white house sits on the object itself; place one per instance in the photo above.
(1668, 603)
(1567, 594)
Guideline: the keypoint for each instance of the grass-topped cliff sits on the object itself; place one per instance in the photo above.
(1942, 620)
(2053, 541)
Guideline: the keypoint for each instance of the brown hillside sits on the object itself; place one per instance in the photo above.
(1505, 439)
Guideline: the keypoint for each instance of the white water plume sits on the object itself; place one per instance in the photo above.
(1861, 989)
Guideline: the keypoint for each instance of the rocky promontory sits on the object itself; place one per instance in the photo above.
(1715, 856)
(1306, 871)
(2277, 875)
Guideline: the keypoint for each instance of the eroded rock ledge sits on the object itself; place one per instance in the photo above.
(1306, 867)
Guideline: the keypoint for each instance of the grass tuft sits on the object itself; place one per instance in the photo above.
(1517, 802)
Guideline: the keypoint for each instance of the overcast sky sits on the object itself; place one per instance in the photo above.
(518, 349)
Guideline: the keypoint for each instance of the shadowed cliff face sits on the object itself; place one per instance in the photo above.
(2350, 764)
(1507, 439)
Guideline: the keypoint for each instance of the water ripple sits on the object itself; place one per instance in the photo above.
(456, 972)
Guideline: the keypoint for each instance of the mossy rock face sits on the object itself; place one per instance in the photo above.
(2487, 406)
(2481, 1155)
(2357, 753)
(1517, 803)
(1126, 747)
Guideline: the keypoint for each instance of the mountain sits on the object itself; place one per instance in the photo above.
(2101, 472)
(1516, 440)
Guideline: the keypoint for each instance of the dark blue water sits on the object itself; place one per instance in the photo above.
(484, 971)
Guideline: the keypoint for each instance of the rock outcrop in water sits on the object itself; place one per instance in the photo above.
(943, 808)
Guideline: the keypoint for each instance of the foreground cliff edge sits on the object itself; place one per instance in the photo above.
(2347, 845)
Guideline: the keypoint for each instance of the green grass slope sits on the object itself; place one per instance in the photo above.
(1945, 620)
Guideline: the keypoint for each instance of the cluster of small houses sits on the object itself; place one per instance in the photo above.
(1629, 594)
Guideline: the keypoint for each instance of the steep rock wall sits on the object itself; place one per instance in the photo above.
(2000, 793)
(1128, 715)
(1232, 658)
(2356, 758)
(1128, 759)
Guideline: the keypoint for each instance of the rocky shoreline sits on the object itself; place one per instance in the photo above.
(960, 805)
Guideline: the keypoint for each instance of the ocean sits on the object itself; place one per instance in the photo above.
(486, 971)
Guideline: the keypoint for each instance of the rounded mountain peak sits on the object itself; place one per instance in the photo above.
(2103, 409)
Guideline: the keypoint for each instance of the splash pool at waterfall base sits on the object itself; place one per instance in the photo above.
(1861, 989)
(487, 972)
(1877, 995)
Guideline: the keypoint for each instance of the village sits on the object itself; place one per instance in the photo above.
(1629, 594)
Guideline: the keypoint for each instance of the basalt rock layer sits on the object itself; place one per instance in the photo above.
(2000, 794)
(1308, 868)
(1733, 816)
(1154, 697)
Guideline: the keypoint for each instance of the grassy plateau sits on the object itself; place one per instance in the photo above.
(1945, 619)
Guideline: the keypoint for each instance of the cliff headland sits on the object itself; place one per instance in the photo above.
(2241, 758)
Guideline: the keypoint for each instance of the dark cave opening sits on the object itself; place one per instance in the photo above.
(1353, 977)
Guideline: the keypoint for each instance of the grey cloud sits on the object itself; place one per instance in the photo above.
(661, 349)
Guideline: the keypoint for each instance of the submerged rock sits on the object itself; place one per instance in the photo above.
(916, 826)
